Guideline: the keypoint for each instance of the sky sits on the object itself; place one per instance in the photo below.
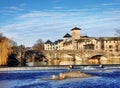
(26, 21)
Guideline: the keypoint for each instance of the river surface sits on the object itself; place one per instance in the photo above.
(101, 78)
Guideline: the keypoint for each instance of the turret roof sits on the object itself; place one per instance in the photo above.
(75, 28)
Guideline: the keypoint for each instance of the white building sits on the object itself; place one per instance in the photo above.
(78, 42)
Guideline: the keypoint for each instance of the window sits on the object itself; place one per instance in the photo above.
(102, 47)
(110, 50)
(89, 46)
(96, 47)
(96, 41)
(117, 48)
(110, 46)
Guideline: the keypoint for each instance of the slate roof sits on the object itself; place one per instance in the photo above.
(67, 35)
(58, 41)
(48, 42)
(84, 36)
(75, 28)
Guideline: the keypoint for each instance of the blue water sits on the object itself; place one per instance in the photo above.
(101, 78)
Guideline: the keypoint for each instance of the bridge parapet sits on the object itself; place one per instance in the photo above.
(50, 54)
(78, 57)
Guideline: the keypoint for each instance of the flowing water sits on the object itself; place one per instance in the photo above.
(101, 78)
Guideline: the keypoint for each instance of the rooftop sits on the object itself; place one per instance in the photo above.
(75, 28)
(67, 35)
(48, 42)
(58, 41)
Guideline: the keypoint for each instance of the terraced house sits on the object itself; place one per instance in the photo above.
(78, 42)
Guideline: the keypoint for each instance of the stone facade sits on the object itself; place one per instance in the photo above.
(78, 42)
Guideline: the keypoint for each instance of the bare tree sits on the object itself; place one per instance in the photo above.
(117, 32)
(13, 43)
(1, 34)
(39, 45)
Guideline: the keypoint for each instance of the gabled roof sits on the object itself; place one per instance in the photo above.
(108, 38)
(67, 35)
(48, 42)
(84, 36)
(58, 41)
(75, 28)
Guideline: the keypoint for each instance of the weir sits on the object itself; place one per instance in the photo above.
(57, 67)
(32, 68)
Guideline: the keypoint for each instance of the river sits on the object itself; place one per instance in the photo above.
(101, 78)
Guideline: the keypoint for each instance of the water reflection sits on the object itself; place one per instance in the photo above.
(4, 84)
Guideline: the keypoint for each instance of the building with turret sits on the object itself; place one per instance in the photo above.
(78, 42)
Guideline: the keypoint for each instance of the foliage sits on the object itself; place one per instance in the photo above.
(39, 45)
(33, 55)
(12, 61)
(13, 43)
(5, 49)
(18, 49)
(19, 52)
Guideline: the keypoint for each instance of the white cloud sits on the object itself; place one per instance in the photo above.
(11, 10)
(57, 1)
(58, 7)
(34, 15)
(110, 4)
(53, 25)
(14, 8)
(22, 4)
(7, 11)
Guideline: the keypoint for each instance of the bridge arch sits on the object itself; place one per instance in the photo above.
(95, 56)
(96, 59)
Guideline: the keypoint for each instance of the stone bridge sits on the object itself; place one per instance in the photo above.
(82, 54)
(76, 55)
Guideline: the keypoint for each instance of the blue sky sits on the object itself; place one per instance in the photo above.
(26, 21)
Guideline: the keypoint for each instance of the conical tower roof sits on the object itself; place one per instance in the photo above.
(75, 28)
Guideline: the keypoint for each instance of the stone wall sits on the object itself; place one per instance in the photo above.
(77, 57)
